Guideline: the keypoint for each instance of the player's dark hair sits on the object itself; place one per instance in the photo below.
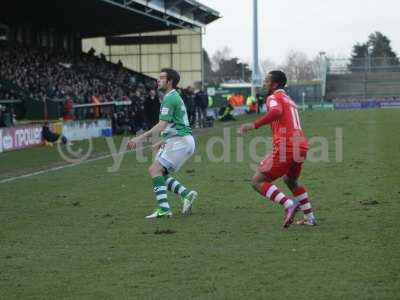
(279, 78)
(172, 75)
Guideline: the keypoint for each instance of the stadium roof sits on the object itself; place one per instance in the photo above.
(91, 18)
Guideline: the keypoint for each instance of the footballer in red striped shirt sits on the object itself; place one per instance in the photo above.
(289, 151)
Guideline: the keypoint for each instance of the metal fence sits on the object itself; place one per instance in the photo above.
(363, 65)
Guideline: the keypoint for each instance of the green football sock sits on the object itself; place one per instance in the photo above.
(176, 187)
(161, 192)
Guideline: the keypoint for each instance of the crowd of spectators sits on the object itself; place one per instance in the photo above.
(144, 111)
(7, 116)
(50, 74)
(7, 94)
(41, 74)
(196, 105)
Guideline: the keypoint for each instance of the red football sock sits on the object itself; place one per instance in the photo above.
(271, 192)
(301, 195)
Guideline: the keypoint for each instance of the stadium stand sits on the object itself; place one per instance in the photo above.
(41, 58)
(47, 73)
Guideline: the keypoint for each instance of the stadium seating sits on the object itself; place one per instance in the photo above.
(40, 73)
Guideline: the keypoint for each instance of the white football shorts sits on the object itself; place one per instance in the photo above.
(175, 152)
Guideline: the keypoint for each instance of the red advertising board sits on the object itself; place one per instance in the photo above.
(16, 138)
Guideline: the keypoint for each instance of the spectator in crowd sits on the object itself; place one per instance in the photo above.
(260, 102)
(114, 123)
(68, 109)
(188, 98)
(138, 109)
(132, 122)
(251, 103)
(6, 117)
(1, 117)
(151, 109)
(226, 113)
(123, 122)
(201, 104)
(236, 100)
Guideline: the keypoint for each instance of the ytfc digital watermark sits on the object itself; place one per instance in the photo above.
(229, 147)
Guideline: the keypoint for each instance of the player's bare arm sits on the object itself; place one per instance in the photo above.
(137, 140)
(244, 128)
(158, 145)
(268, 118)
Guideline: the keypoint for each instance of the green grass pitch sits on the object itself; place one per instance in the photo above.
(80, 232)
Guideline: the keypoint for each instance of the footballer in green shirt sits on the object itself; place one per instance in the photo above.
(175, 148)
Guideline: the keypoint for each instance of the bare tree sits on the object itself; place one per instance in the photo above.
(298, 67)
(219, 55)
(267, 65)
(316, 65)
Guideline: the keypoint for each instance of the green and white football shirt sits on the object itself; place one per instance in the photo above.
(173, 111)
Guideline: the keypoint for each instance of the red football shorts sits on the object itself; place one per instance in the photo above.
(277, 164)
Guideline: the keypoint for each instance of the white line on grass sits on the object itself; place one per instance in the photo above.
(10, 179)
